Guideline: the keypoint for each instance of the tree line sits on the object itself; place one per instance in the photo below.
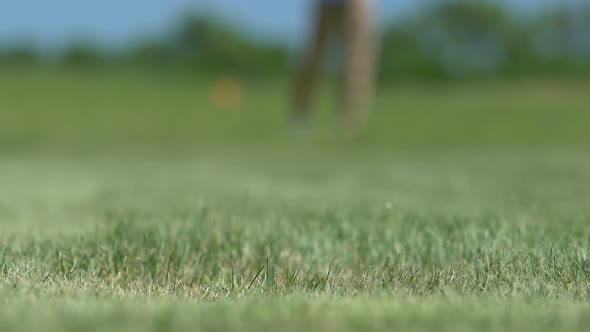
(448, 40)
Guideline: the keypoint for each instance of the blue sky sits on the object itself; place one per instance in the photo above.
(116, 22)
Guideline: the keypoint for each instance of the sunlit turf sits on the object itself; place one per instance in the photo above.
(128, 203)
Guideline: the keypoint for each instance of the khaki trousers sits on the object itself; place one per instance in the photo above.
(353, 23)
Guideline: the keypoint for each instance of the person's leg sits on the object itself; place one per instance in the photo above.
(307, 77)
(361, 49)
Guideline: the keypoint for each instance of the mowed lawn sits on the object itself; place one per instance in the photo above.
(129, 203)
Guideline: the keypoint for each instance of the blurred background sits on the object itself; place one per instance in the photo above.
(109, 73)
(423, 39)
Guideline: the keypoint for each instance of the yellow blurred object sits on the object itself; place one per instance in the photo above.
(226, 94)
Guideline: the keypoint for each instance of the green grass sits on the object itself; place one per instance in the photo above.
(128, 203)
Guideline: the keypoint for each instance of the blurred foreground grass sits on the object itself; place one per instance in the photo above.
(128, 202)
